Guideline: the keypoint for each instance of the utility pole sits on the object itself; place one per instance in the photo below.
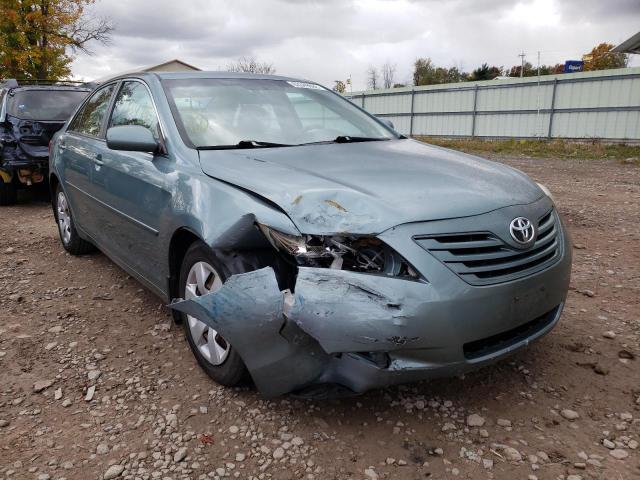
(522, 55)
(538, 125)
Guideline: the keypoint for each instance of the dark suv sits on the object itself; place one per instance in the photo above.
(29, 116)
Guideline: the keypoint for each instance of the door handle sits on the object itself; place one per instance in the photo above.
(98, 159)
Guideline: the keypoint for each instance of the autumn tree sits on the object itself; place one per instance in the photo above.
(532, 71)
(601, 57)
(39, 38)
(516, 70)
(340, 86)
(251, 65)
(551, 69)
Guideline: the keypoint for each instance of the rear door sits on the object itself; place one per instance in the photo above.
(79, 149)
(134, 188)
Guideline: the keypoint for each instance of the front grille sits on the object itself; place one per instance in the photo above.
(496, 343)
(481, 258)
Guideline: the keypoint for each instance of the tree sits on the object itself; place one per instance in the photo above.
(251, 65)
(388, 74)
(372, 77)
(339, 86)
(423, 71)
(450, 75)
(557, 68)
(426, 73)
(529, 71)
(485, 72)
(532, 71)
(38, 38)
(602, 58)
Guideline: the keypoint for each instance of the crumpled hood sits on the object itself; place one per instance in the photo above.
(369, 187)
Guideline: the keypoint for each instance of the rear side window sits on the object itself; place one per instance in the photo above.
(133, 106)
(90, 119)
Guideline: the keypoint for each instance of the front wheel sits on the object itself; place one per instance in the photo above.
(69, 237)
(201, 273)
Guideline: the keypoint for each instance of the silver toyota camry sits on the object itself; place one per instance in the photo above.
(301, 241)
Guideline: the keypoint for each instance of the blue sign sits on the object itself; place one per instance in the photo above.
(572, 66)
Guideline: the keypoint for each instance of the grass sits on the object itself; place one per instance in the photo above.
(541, 148)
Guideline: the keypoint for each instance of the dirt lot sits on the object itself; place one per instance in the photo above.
(566, 408)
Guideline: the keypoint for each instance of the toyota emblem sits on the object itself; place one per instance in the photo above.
(522, 230)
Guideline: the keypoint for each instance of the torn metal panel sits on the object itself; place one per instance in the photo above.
(350, 312)
(336, 323)
(248, 312)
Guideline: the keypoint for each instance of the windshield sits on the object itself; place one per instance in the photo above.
(226, 112)
(44, 104)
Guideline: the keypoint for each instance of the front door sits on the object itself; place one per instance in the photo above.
(134, 189)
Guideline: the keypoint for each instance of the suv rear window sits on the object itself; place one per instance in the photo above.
(44, 104)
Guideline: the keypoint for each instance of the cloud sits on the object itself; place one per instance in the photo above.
(334, 39)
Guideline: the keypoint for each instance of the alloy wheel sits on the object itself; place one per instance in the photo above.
(203, 279)
(64, 218)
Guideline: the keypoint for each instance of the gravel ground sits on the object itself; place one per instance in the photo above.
(96, 382)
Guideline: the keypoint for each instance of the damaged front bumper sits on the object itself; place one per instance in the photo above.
(364, 331)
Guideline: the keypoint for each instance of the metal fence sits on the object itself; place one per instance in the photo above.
(603, 105)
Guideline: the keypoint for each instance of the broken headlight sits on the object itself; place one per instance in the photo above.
(341, 252)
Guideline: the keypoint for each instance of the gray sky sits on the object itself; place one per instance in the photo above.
(325, 40)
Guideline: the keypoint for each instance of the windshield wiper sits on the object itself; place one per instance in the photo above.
(348, 139)
(245, 144)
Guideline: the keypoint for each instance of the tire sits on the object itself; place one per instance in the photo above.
(8, 193)
(69, 237)
(214, 355)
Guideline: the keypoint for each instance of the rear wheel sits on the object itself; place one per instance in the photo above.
(201, 273)
(8, 193)
(69, 237)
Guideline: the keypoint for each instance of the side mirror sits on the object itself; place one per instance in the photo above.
(388, 123)
(131, 138)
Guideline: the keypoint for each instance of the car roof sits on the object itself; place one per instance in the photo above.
(212, 74)
(50, 87)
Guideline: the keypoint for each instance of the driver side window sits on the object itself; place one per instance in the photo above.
(90, 119)
(133, 106)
